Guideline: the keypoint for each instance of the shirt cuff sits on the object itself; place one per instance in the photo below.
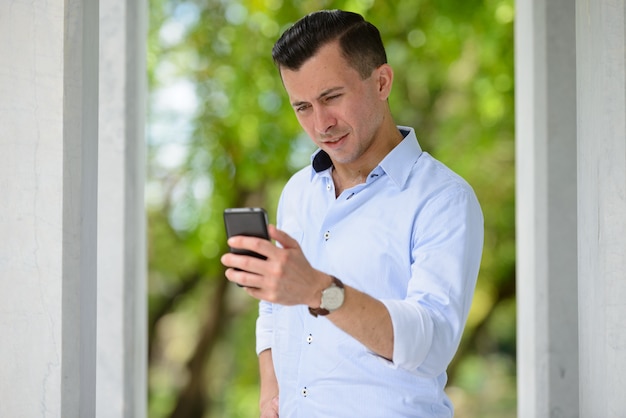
(412, 331)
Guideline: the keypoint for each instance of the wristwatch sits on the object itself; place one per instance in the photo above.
(332, 298)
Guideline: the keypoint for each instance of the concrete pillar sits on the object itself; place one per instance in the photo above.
(601, 97)
(547, 334)
(48, 216)
(122, 339)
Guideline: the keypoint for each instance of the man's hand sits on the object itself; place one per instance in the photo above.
(285, 277)
(270, 409)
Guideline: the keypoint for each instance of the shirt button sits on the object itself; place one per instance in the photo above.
(326, 235)
(309, 339)
(304, 392)
(328, 187)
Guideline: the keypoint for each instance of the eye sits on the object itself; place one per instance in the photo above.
(302, 108)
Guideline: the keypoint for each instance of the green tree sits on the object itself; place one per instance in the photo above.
(239, 141)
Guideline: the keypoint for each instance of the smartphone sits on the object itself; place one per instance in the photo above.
(246, 221)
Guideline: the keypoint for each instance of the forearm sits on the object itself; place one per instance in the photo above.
(367, 320)
(268, 382)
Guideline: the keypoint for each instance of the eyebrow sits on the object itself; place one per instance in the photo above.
(325, 93)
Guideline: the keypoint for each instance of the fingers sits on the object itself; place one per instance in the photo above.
(243, 278)
(272, 278)
(244, 269)
(263, 246)
(254, 244)
(241, 262)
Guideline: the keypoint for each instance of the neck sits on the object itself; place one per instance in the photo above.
(347, 180)
(346, 176)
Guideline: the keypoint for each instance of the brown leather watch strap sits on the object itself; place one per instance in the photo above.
(318, 311)
(321, 311)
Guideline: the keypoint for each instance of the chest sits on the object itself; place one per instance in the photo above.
(365, 236)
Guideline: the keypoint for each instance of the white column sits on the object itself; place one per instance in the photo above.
(546, 208)
(48, 183)
(122, 322)
(601, 94)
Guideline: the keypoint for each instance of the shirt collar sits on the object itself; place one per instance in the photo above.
(397, 164)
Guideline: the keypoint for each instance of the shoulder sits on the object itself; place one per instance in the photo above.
(299, 179)
(433, 175)
(297, 187)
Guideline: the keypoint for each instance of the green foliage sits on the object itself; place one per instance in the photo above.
(237, 142)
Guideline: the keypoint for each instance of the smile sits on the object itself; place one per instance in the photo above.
(335, 140)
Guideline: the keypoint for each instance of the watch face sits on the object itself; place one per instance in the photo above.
(332, 298)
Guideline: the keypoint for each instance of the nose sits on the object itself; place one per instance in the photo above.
(324, 120)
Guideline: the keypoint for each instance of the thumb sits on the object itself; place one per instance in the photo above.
(282, 237)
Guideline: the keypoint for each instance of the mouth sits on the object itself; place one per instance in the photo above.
(335, 142)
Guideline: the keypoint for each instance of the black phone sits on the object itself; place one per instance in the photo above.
(246, 221)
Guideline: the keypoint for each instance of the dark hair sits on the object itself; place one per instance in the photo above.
(359, 41)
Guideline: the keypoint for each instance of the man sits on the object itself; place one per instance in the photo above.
(364, 300)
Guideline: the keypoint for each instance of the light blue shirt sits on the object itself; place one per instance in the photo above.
(410, 236)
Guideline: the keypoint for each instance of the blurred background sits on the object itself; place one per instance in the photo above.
(221, 133)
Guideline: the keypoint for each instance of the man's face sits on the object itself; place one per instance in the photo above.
(341, 112)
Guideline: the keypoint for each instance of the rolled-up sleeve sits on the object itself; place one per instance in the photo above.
(414, 330)
(264, 328)
(428, 323)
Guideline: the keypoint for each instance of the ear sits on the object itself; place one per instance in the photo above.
(384, 75)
